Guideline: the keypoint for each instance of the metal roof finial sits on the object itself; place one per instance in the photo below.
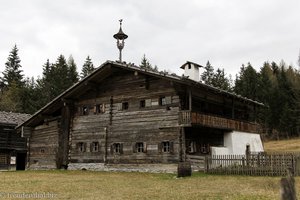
(120, 37)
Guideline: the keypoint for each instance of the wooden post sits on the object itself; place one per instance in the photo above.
(62, 156)
(232, 110)
(190, 100)
(181, 132)
(184, 168)
(287, 190)
(111, 110)
(106, 144)
(248, 154)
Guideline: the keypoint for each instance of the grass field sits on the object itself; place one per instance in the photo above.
(290, 145)
(117, 185)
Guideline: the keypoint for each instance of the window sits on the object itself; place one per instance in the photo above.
(125, 106)
(162, 101)
(191, 147)
(117, 148)
(85, 110)
(95, 147)
(42, 150)
(166, 147)
(140, 147)
(142, 104)
(81, 147)
(99, 108)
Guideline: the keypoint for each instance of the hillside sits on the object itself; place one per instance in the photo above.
(290, 145)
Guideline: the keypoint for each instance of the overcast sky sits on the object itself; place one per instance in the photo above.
(228, 33)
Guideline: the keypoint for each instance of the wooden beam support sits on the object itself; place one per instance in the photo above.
(190, 99)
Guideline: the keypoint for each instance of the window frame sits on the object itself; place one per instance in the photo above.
(95, 147)
(125, 105)
(162, 101)
(85, 110)
(117, 148)
(81, 147)
(166, 147)
(99, 108)
(140, 147)
(143, 103)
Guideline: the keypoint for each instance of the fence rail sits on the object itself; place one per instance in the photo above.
(258, 164)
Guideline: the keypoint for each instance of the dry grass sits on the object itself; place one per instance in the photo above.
(116, 185)
(290, 145)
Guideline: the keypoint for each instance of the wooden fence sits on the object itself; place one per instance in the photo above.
(256, 164)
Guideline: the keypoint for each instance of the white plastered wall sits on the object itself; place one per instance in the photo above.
(192, 73)
(235, 142)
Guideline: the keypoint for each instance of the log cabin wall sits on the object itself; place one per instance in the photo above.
(43, 146)
(128, 118)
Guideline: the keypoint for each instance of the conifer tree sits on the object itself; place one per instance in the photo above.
(87, 67)
(219, 80)
(72, 74)
(145, 64)
(208, 74)
(246, 82)
(10, 99)
(13, 73)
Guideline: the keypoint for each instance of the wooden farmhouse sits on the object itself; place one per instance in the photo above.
(13, 149)
(122, 115)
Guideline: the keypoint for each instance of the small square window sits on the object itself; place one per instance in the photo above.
(162, 101)
(142, 104)
(95, 147)
(85, 110)
(140, 147)
(42, 150)
(117, 148)
(166, 147)
(191, 147)
(81, 147)
(125, 106)
(99, 109)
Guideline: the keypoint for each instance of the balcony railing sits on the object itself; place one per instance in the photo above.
(188, 118)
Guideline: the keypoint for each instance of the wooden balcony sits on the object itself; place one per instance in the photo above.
(187, 118)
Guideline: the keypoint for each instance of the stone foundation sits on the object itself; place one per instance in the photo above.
(151, 168)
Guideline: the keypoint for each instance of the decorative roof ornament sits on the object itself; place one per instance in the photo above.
(120, 37)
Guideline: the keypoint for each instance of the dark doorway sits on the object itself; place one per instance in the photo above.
(21, 161)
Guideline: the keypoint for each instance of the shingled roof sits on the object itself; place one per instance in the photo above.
(13, 118)
(58, 101)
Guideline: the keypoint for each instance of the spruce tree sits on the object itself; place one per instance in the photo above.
(246, 82)
(145, 64)
(13, 73)
(45, 85)
(72, 73)
(31, 97)
(208, 74)
(60, 75)
(87, 67)
(219, 80)
(10, 99)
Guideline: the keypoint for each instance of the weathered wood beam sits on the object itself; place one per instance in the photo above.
(190, 99)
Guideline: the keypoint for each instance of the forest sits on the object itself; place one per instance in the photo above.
(277, 85)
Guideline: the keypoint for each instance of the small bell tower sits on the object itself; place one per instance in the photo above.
(120, 37)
